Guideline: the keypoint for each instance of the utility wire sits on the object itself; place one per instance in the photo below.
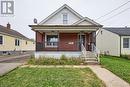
(116, 14)
(113, 10)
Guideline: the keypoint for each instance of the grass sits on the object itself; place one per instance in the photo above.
(50, 77)
(117, 65)
(53, 61)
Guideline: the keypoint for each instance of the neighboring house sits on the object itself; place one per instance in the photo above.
(65, 32)
(114, 41)
(12, 41)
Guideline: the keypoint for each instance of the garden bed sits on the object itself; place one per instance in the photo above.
(63, 60)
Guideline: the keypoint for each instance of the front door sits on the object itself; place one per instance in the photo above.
(82, 40)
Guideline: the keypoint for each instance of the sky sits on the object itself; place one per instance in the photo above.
(26, 10)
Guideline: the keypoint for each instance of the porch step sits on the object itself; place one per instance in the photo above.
(89, 55)
(91, 62)
(91, 59)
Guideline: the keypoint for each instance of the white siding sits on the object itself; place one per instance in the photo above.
(108, 41)
(85, 23)
(58, 18)
(125, 50)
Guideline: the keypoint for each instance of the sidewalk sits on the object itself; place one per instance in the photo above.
(6, 67)
(110, 79)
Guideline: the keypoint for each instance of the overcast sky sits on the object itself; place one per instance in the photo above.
(27, 10)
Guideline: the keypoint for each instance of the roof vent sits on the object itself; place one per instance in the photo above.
(35, 21)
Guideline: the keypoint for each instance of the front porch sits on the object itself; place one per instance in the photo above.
(64, 39)
(56, 41)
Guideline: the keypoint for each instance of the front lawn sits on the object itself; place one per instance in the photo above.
(118, 66)
(50, 77)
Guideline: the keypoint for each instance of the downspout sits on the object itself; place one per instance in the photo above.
(120, 45)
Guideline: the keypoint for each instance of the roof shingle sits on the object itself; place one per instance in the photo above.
(12, 32)
(122, 31)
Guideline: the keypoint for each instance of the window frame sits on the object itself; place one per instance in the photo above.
(26, 42)
(65, 21)
(17, 42)
(46, 40)
(128, 43)
(2, 40)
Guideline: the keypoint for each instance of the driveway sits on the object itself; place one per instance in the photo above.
(9, 63)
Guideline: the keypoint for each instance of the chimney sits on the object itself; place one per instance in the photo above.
(8, 26)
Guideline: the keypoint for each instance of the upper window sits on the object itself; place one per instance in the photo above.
(52, 40)
(17, 42)
(125, 42)
(1, 39)
(65, 18)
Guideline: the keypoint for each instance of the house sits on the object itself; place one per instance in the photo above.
(12, 42)
(65, 32)
(114, 41)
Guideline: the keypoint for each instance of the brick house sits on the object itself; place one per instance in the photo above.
(65, 32)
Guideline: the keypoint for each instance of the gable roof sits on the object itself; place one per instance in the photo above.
(11, 32)
(122, 31)
(57, 11)
(86, 19)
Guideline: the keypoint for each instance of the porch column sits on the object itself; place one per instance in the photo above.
(94, 38)
(39, 41)
(93, 41)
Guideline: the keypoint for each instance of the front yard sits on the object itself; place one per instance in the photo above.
(50, 77)
(118, 66)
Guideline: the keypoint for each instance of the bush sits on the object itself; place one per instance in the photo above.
(53, 61)
(63, 57)
(125, 56)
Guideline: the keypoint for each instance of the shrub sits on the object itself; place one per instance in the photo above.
(125, 56)
(63, 57)
(53, 61)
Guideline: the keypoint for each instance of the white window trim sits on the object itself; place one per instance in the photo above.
(123, 43)
(46, 39)
(2, 39)
(17, 41)
(67, 18)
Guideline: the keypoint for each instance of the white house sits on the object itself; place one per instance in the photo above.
(114, 41)
(65, 32)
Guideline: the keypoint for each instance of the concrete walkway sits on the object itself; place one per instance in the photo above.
(110, 79)
(7, 67)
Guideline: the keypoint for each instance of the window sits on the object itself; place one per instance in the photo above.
(17, 42)
(51, 40)
(26, 42)
(1, 40)
(65, 18)
(125, 42)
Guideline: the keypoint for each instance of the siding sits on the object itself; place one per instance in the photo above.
(58, 19)
(85, 23)
(9, 44)
(108, 41)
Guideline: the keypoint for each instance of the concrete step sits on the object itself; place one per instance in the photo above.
(88, 56)
(91, 59)
(91, 62)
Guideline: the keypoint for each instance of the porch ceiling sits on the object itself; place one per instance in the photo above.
(65, 28)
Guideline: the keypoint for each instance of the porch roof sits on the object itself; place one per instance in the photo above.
(65, 27)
